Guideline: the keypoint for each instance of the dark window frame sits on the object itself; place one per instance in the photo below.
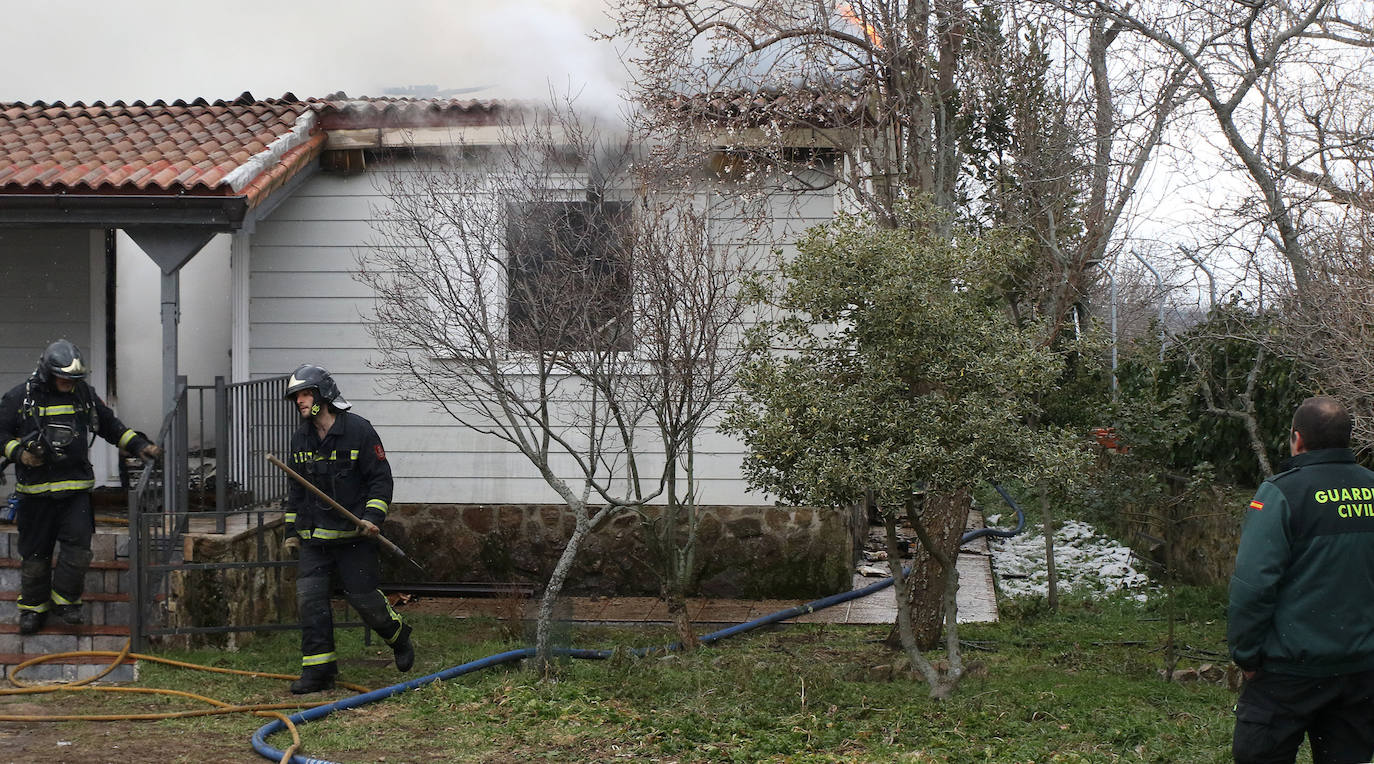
(569, 277)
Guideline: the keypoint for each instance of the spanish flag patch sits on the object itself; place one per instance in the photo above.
(1257, 505)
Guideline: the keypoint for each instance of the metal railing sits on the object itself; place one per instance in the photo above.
(252, 419)
(232, 478)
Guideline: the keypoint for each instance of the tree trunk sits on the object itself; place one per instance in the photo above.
(1047, 520)
(945, 517)
(677, 612)
(543, 627)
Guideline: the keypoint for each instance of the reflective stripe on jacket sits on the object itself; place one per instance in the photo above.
(349, 465)
(32, 405)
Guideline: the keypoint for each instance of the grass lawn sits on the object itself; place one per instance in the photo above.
(1080, 685)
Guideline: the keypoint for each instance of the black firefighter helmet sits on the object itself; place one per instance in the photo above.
(61, 359)
(308, 376)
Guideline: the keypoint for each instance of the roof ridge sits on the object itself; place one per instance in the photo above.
(244, 99)
(261, 161)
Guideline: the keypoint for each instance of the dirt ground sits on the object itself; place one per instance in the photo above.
(111, 742)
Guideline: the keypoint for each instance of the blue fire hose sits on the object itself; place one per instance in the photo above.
(261, 745)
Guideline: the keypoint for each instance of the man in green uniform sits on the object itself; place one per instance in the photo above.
(1301, 617)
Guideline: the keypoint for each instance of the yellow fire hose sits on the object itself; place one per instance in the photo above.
(267, 710)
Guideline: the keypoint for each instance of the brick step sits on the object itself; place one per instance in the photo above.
(13, 596)
(15, 562)
(83, 630)
(101, 578)
(14, 659)
(69, 669)
(107, 545)
(100, 609)
(16, 648)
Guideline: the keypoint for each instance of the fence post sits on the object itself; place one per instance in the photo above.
(1159, 284)
(222, 455)
(183, 483)
(136, 567)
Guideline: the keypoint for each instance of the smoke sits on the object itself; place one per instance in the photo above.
(548, 53)
(170, 49)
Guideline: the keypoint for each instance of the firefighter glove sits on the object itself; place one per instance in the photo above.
(291, 545)
(30, 459)
(150, 451)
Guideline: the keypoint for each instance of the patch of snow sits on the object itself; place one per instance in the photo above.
(1086, 561)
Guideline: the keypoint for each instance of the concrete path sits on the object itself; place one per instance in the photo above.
(977, 601)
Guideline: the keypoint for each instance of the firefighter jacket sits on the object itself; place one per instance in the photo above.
(1302, 597)
(62, 425)
(349, 465)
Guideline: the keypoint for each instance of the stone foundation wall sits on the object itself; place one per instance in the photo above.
(255, 595)
(744, 551)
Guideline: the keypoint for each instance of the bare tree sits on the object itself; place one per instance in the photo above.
(1002, 115)
(690, 306)
(542, 294)
(871, 79)
(1329, 330)
(1265, 71)
(1219, 398)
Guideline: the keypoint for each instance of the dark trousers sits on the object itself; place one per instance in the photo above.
(356, 566)
(1275, 711)
(63, 520)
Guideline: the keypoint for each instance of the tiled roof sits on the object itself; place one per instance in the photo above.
(248, 147)
(196, 148)
(245, 147)
(338, 111)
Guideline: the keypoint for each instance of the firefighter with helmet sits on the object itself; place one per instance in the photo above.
(341, 454)
(47, 426)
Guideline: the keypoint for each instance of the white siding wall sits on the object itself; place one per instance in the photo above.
(52, 286)
(202, 333)
(305, 306)
(45, 286)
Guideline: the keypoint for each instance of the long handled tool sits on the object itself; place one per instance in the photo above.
(387, 543)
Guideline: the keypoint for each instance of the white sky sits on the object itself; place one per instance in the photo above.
(71, 50)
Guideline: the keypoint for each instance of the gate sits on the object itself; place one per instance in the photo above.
(225, 487)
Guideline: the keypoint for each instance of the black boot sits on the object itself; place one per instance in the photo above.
(69, 614)
(403, 649)
(309, 683)
(30, 621)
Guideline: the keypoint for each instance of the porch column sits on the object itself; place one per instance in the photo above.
(170, 247)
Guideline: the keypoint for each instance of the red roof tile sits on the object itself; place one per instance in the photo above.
(246, 147)
(338, 111)
(179, 147)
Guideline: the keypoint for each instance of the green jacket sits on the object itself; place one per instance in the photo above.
(1302, 596)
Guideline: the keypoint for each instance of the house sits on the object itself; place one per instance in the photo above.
(221, 240)
(233, 229)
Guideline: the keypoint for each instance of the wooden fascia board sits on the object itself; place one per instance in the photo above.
(408, 137)
(354, 138)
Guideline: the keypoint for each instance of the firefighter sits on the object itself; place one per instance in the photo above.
(1301, 626)
(340, 453)
(47, 426)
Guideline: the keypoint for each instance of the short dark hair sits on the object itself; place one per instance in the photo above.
(1323, 422)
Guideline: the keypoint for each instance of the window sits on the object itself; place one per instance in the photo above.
(569, 276)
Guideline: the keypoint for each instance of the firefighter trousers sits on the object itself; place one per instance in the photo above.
(63, 520)
(357, 567)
